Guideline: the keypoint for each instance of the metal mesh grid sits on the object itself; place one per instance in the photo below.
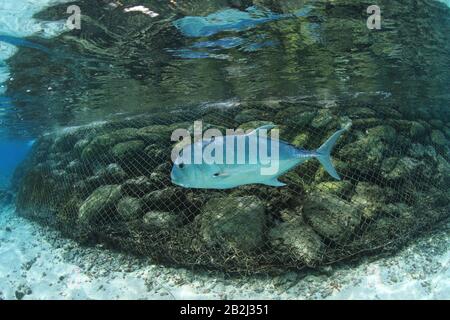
(110, 182)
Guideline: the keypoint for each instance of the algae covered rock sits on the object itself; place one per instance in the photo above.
(369, 150)
(100, 204)
(369, 198)
(160, 220)
(127, 149)
(322, 119)
(233, 223)
(155, 134)
(338, 188)
(248, 115)
(295, 118)
(129, 208)
(138, 186)
(438, 138)
(395, 168)
(297, 241)
(113, 172)
(103, 143)
(331, 217)
(168, 198)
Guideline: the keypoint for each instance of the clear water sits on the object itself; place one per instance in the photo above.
(212, 52)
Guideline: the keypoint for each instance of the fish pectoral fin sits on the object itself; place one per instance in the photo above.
(274, 183)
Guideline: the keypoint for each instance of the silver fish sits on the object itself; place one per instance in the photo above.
(232, 174)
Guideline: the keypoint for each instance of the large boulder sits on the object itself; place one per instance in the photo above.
(160, 220)
(129, 208)
(233, 223)
(297, 241)
(368, 151)
(370, 199)
(100, 204)
(124, 150)
(164, 199)
(138, 187)
(400, 168)
(331, 216)
(102, 144)
(437, 137)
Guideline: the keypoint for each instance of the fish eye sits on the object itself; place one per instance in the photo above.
(216, 174)
(181, 165)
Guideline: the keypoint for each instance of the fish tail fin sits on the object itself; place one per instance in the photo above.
(323, 154)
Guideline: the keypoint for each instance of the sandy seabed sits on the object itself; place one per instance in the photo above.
(37, 263)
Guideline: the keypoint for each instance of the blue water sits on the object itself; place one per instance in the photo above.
(12, 153)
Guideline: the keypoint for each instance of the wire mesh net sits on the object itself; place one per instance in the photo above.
(109, 182)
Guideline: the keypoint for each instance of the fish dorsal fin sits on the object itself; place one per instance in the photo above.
(265, 127)
(274, 183)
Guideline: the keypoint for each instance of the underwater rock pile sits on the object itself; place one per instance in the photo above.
(110, 183)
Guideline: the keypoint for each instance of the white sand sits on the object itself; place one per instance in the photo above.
(37, 263)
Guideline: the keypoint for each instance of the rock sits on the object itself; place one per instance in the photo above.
(363, 124)
(331, 217)
(166, 199)
(130, 208)
(338, 188)
(127, 149)
(64, 142)
(138, 187)
(368, 151)
(418, 150)
(438, 138)
(103, 143)
(436, 123)
(159, 220)
(294, 117)
(323, 118)
(370, 199)
(75, 166)
(396, 222)
(385, 133)
(298, 241)
(156, 134)
(447, 132)
(361, 112)
(233, 223)
(111, 174)
(97, 147)
(416, 129)
(156, 153)
(248, 115)
(99, 204)
(301, 140)
(19, 295)
(399, 168)
(80, 145)
(443, 169)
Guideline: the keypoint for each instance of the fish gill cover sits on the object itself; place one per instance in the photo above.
(109, 181)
